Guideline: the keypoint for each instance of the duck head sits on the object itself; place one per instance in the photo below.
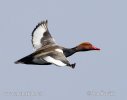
(86, 46)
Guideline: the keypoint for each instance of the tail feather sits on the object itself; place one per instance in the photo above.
(18, 62)
(25, 60)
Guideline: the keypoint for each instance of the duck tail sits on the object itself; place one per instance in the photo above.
(17, 62)
(25, 60)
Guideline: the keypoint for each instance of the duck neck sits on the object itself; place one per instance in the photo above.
(70, 51)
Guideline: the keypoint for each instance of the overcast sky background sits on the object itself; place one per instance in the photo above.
(101, 22)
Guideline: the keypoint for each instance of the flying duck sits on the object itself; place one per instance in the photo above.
(48, 52)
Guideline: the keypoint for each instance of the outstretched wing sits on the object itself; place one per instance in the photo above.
(41, 36)
(58, 58)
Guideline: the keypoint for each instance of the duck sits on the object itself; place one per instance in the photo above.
(48, 52)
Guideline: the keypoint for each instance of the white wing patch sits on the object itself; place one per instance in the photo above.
(54, 61)
(38, 34)
(59, 50)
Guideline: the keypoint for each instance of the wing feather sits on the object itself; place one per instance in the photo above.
(57, 58)
(41, 35)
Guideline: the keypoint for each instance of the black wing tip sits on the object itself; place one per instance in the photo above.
(46, 21)
(40, 23)
(43, 22)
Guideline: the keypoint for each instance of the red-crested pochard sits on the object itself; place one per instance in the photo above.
(48, 52)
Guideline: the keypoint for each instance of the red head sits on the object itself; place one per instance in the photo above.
(86, 46)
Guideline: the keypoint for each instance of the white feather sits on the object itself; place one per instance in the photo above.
(37, 35)
(59, 50)
(54, 61)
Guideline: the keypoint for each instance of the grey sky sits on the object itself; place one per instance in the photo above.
(101, 22)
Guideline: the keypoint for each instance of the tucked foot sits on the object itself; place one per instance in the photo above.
(73, 65)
